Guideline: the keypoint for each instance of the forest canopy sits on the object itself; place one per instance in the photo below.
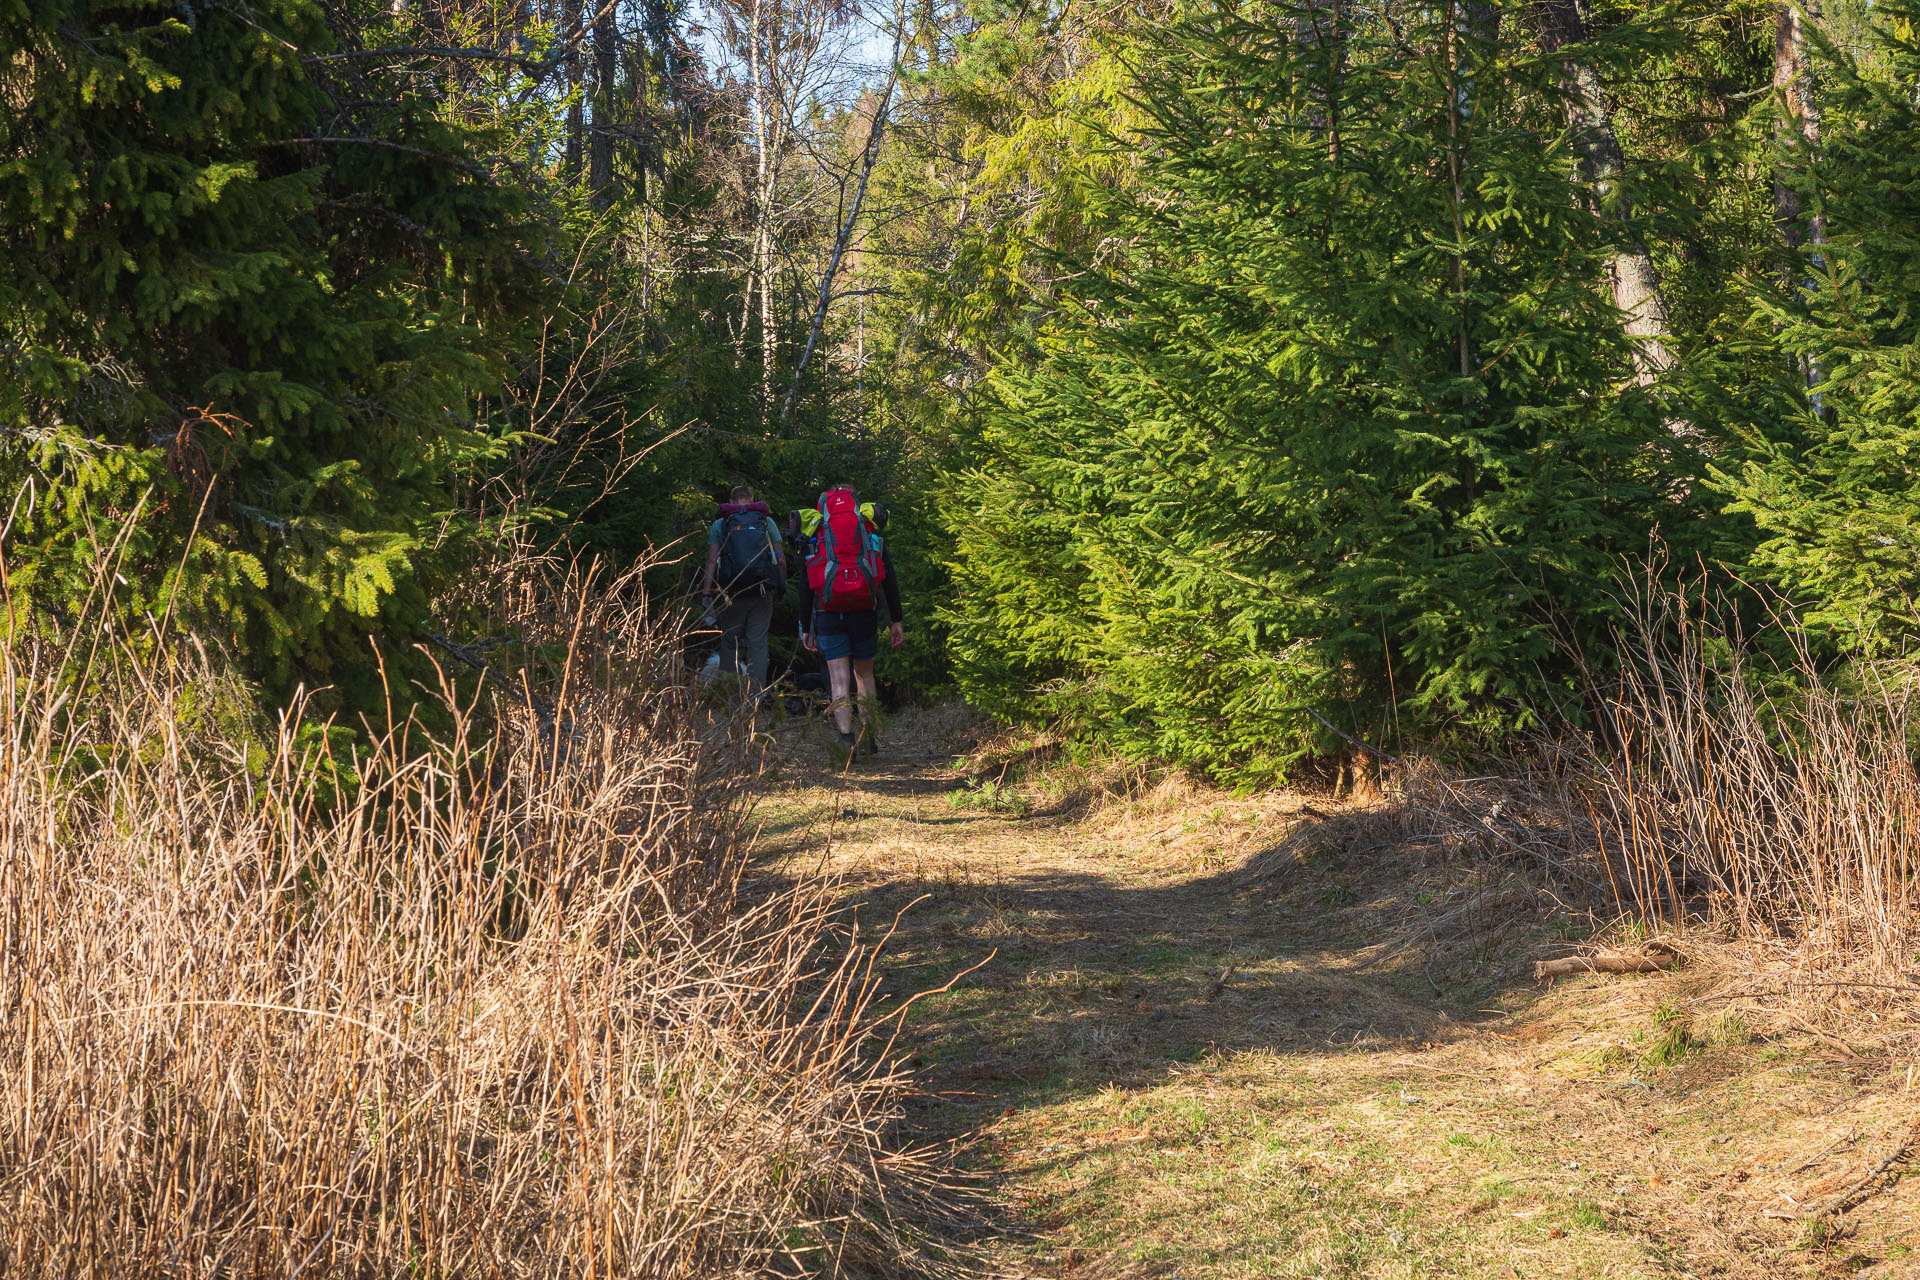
(1243, 381)
(1389, 346)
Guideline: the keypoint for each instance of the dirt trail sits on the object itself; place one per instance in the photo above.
(1284, 1036)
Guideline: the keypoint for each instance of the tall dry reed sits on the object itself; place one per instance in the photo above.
(1781, 803)
(509, 1003)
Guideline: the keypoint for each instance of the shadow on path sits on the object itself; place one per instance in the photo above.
(1113, 961)
(1211, 1035)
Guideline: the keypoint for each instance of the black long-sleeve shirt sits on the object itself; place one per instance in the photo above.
(889, 587)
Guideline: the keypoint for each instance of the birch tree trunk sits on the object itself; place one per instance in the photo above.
(869, 156)
(780, 42)
(1630, 274)
(760, 283)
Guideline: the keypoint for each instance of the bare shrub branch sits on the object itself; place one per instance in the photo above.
(477, 996)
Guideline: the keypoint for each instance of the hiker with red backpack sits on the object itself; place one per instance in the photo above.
(746, 562)
(847, 576)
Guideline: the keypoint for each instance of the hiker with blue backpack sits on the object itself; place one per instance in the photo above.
(747, 565)
(847, 576)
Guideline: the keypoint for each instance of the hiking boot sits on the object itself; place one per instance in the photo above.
(851, 741)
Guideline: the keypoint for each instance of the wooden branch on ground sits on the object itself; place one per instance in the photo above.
(1847, 1197)
(1545, 969)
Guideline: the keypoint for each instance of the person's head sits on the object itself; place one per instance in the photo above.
(742, 493)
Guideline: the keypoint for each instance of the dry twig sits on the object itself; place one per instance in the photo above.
(474, 997)
(1854, 1191)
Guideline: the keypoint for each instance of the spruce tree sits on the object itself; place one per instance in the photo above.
(244, 319)
(1338, 425)
(1838, 498)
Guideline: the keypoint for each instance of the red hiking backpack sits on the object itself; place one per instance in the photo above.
(845, 569)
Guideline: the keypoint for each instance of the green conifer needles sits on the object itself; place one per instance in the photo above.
(244, 317)
(1839, 498)
(1338, 417)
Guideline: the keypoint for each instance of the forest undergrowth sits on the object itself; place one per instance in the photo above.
(572, 971)
(491, 992)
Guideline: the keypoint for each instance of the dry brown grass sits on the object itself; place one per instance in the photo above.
(1779, 832)
(1296, 1034)
(513, 1005)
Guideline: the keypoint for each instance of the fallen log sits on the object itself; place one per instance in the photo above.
(1544, 969)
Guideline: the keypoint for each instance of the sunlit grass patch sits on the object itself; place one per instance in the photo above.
(990, 796)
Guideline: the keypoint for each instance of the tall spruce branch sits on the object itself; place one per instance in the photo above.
(454, 53)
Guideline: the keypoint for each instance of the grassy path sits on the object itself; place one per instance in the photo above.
(1276, 1036)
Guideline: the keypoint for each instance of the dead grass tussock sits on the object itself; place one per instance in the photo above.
(1527, 814)
(510, 1007)
(1775, 837)
(935, 733)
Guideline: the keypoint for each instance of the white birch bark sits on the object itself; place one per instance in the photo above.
(869, 157)
(760, 276)
(1631, 275)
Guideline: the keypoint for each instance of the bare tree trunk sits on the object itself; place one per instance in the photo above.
(780, 42)
(869, 155)
(1793, 81)
(769, 330)
(606, 68)
(1631, 274)
(576, 73)
(1320, 24)
(1458, 194)
(642, 122)
(761, 282)
(1798, 130)
(1479, 20)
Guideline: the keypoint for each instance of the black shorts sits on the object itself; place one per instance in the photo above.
(847, 635)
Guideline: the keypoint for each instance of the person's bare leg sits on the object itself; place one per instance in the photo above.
(839, 678)
(863, 677)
